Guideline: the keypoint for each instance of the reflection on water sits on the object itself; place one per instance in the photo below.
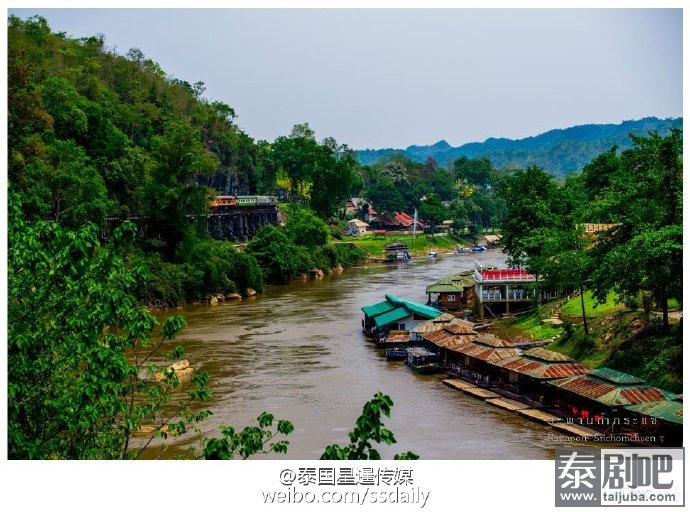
(297, 351)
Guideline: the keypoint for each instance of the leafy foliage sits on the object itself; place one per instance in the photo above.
(250, 440)
(275, 252)
(368, 428)
(78, 346)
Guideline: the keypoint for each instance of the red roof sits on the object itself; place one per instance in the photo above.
(608, 393)
(506, 274)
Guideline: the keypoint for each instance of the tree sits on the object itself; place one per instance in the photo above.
(78, 343)
(476, 171)
(385, 197)
(171, 196)
(331, 181)
(531, 201)
(249, 441)
(644, 198)
(368, 428)
(275, 252)
(305, 228)
(432, 209)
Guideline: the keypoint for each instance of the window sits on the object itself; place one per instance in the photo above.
(450, 297)
(401, 327)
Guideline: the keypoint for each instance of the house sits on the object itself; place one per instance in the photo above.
(445, 227)
(386, 222)
(456, 292)
(370, 214)
(398, 221)
(499, 290)
(408, 222)
(600, 398)
(353, 205)
(591, 231)
(356, 227)
(527, 373)
(489, 241)
(395, 314)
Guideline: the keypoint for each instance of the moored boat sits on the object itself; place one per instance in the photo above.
(422, 360)
(396, 353)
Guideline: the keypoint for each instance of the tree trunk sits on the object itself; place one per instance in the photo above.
(664, 309)
(584, 316)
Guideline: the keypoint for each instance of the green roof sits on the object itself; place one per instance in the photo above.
(392, 309)
(426, 311)
(616, 376)
(378, 308)
(443, 286)
(668, 410)
(453, 284)
(391, 317)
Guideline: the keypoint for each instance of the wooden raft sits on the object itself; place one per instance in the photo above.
(577, 430)
(458, 384)
(480, 393)
(507, 404)
(540, 416)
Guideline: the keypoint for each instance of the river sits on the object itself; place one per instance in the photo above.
(297, 351)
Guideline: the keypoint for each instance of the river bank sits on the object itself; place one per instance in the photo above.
(297, 351)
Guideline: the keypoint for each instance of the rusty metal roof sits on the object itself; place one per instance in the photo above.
(484, 352)
(494, 341)
(460, 327)
(439, 323)
(398, 338)
(547, 355)
(444, 339)
(540, 369)
(609, 393)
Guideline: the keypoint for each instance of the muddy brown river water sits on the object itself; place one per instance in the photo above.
(297, 351)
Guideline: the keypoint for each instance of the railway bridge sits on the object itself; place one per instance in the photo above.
(237, 224)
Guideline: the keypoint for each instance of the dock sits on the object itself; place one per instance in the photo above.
(577, 430)
(507, 404)
(458, 384)
(540, 416)
(482, 393)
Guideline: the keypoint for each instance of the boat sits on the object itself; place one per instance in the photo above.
(424, 361)
(397, 252)
(396, 353)
(433, 254)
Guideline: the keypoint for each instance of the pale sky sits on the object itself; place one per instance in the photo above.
(376, 78)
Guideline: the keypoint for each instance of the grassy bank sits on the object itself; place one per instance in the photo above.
(573, 308)
(420, 245)
(619, 338)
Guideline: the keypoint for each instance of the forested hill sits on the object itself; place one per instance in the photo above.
(557, 151)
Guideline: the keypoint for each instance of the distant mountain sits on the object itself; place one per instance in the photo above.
(559, 152)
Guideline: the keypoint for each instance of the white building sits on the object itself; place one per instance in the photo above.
(356, 227)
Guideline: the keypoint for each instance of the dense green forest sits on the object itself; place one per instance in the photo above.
(559, 152)
(95, 134)
(636, 199)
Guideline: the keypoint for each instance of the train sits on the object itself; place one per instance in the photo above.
(224, 202)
